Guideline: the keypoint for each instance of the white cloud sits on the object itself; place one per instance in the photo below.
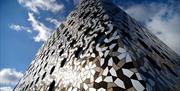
(19, 28)
(53, 21)
(143, 12)
(6, 88)
(43, 31)
(9, 76)
(169, 29)
(35, 5)
(161, 19)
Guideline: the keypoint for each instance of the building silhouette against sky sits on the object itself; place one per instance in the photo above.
(101, 48)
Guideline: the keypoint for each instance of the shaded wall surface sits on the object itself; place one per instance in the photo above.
(101, 48)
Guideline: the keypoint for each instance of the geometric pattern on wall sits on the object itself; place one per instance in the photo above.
(101, 48)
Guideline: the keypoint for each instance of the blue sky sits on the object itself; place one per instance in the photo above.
(17, 45)
(26, 24)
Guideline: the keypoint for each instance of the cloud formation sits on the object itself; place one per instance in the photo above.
(43, 31)
(39, 6)
(168, 29)
(19, 28)
(162, 19)
(141, 12)
(53, 21)
(36, 5)
(9, 76)
(6, 88)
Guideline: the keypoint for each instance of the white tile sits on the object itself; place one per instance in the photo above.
(102, 61)
(128, 58)
(100, 54)
(138, 76)
(90, 63)
(110, 62)
(113, 72)
(77, 85)
(92, 78)
(120, 83)
(99, 79)
(92, 89)
(88, 75)
(106, 53)
(93, 71)
(108, 79)
(105, 72)
(85, 86)
(88, 54)
(93, 66)
(121, 50)
(112, 46)
(137, 85)
(91, 50)
(86, 67)
(115, 33)
(97, 47)
(93, 55)
(127, 72)
(121, 56)
(104, 48)
(101, 89)
(84, 78)
(106, 40)
(70, 89)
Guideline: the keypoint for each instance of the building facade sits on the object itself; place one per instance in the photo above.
(101, 48)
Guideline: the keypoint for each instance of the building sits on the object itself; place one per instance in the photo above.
(99, 47)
